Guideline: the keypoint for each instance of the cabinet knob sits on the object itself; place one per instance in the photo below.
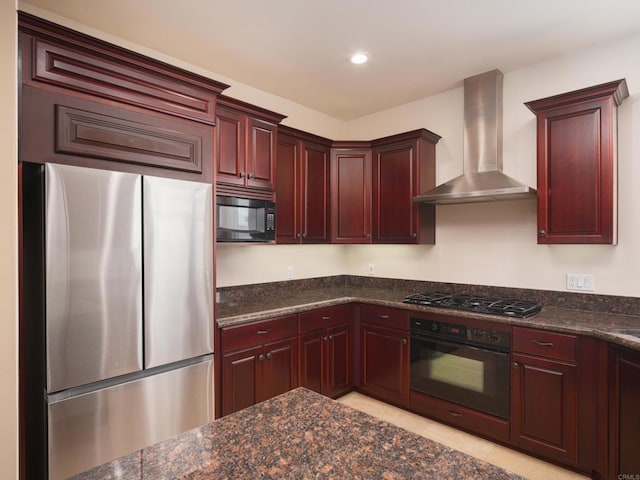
(243, 174)
(298, 235)
(330, 337)
(515, 365)
(251, 176)
(261, 357)
(404, 341)
(268, 355)
(325, 338)
(414, 234)
(541, 233)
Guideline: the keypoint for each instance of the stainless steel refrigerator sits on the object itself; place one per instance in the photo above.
(128, 333)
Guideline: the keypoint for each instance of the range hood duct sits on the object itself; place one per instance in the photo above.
(482, 179)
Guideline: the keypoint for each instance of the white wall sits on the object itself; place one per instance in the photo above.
(8, 243)
(495, 243)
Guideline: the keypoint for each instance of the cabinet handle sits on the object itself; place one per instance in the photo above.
(251, 176)
(262, 332)
(384, 317)
(541, 233)
(268, 355)
(542, 344)
(326, 317)
(404, 341)
(261, 357)
(243, 174)
(455, 413)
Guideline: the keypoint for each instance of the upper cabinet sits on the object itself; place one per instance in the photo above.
(302, 187)
(577, 164)
(246, 139)
(89, 103)
(351, 173)
(403, 166)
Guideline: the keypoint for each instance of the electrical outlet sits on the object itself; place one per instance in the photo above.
(580, 282)
(372, 269)
(289, 272)
(217, 296)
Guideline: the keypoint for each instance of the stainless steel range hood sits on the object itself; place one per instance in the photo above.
(482, 179)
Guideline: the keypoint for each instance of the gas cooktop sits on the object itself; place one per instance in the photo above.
(493, 305)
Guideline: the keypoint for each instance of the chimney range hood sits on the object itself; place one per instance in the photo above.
(482, 179)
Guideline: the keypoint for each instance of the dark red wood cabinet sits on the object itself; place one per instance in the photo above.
(351, 171)
(384, 353)
(624, 413)
(259, 361)
(544, 393)
(302, 188)
(325, 347)
(246, 138)
(576, 165)
(403, 166)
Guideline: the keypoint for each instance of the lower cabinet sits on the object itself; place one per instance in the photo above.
(544, 400)
(326, 339)
(384, 353)
(257, 362)
(624, 414)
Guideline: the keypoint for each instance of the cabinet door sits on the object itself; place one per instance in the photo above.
(351, 196)
(624, 413)
(544, 406)
(240, 371)
(287, 190)
(230, 147)
(576, 144)
(314, 203)
(385, 363)
(279, 368)
(261, 153)
(312, 360)
(338, 379)
(395, 183)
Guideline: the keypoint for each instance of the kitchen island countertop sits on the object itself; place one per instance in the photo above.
(299, 434)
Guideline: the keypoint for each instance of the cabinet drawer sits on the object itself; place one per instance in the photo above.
(385, 316)
(243, 336)
(325, 317)
(544, 343)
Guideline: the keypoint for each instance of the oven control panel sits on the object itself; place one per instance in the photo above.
(453, 331)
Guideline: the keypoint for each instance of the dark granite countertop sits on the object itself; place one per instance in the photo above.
(570, 313)
(299, 434)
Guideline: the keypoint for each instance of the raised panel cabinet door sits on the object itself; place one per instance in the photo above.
(394, 185)
(385, 363)
(230, 147)
(288, 191)
(279, 368)
(351, 196)
(314, 203)
(577, 164)
(544, 407)
(312, 361)
(339, 361)
(240, 372)
(624, 413)
(261, 153)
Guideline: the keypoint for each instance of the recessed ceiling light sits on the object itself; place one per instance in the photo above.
(359, 58)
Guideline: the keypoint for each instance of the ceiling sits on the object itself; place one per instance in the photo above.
(298, 49)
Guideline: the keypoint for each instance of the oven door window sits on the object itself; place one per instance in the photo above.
(470, 376)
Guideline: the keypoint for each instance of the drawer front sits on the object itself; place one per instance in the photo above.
(545, 344)
(385, 316)
(256, 333)
(325, 318)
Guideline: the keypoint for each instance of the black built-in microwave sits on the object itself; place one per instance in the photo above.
(245, 220)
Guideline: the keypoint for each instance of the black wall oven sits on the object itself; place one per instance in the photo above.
(464, 365)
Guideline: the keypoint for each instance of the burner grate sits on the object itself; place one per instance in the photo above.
(492, 305)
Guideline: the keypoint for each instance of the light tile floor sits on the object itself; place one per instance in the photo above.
(516, 462)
